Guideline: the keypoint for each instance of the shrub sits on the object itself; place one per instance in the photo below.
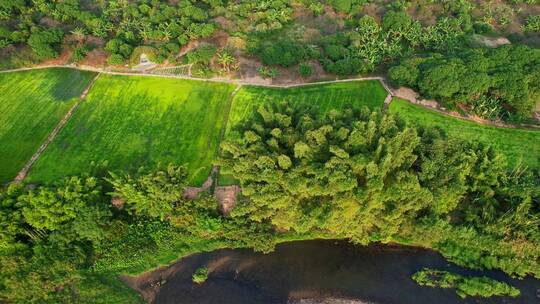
(43, 42)
(201, 55)
(532, 24)
(79, 53)
(266, 72)
(305, 70)
(115, 59)
(465, 286)
(200, 275)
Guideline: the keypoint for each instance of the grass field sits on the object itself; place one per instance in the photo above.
(517, 144)
(31, 105)
(131, 121)
(324, 96)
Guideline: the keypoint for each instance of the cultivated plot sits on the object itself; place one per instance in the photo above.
(31, 105)
(518, 145)
(127, 122)
(324, 96)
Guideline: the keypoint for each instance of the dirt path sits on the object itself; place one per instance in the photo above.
(241, 82)
(24, 171)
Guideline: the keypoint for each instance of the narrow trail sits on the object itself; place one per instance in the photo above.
(24, 171)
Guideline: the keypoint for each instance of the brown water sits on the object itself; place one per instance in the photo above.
(314, 269)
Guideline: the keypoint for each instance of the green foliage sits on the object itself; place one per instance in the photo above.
(465, 286)
(521, 147)
(495, 83)
(285, 52)
(305, 70)
(201, 55)
(45, 42)
(267, 72)
(115, 59)
(368, 176)
(532, 24)
(79, 53)
(200, 275)
(152, 195)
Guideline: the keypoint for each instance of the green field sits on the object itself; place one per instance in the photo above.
(518, 145)
(324, 96)
(31, 105)
(130, 121)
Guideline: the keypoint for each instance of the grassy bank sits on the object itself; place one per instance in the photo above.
(31, 105)
(519, 145)
(132, 121)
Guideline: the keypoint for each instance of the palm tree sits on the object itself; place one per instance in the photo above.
(226, 60)
(79, 33)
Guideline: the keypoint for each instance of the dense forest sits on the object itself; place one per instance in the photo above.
(359, 175)
(343, 37)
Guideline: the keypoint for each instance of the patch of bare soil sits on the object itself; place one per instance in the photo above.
(60, 60)
(192, 193)
(227, 197)
(149, 283)
(426, 13)
(118, 203)
(406, 93)
(95, 58)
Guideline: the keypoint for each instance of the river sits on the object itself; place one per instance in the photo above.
(318, 271)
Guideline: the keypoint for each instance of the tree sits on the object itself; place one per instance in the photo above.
(44, 42)
(154, 194)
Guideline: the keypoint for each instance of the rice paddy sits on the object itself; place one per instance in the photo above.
(519, 145)
(130, 121)
(31, 105)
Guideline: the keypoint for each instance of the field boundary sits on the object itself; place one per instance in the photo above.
(382, 81)
(24, 171)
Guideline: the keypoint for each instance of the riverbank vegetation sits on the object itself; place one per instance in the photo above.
(465, 286)
(353, 174)
(32, 103)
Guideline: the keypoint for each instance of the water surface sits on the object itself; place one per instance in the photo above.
(314, 269)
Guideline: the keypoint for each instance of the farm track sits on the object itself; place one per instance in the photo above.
(24, 171)
(239, 83)
(382, 80)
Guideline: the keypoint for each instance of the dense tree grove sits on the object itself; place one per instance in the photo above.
(359, 175)
(494, 83)
(369, 177)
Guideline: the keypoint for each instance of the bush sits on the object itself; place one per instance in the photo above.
(268, 72)
(115, 59)
(43, 42)
(532, 24)
(201, 55)
(465, 286)
(200, 275)
(305, 70)
(285, 53)
(79, 53)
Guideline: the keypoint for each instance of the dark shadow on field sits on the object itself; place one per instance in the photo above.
(69, 83)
